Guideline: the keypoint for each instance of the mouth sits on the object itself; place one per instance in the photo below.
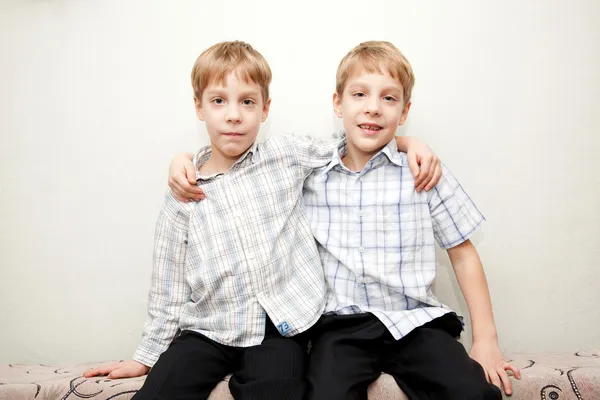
(369, 128)
(232, 134)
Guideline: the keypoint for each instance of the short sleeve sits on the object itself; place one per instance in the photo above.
(454, 215)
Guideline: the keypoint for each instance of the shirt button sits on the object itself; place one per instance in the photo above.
(361, 249)
(361, 213)
(251, 256)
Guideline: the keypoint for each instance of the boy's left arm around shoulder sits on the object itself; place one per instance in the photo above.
(473, 284)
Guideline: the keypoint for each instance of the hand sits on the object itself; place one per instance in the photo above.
(182, 179)
(424, 165)
(488, 354)
(121, 369)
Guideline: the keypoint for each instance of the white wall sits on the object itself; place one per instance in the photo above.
(95, 99)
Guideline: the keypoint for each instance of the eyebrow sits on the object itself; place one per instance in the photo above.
(387, 89)
(223, 92)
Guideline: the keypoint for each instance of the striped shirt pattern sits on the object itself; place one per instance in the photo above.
(377, 236)
(222, 265)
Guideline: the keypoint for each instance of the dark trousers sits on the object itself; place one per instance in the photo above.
(192, 366)
(349, 352)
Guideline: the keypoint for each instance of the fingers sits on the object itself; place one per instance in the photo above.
(90, 373)
(414, 165)
(129, 370)
(495, 379)
(429, 176)
(423, 173)
(103, 370)
(178, 190)
(185, 191)
(121, 373)
(190, 173)
(505, 381)
(437, 174)
(516, 371)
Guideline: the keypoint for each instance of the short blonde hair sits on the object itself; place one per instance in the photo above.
(380, 57)
(222, 58)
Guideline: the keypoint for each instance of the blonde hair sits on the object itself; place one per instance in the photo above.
(239, 57)
(376, 57)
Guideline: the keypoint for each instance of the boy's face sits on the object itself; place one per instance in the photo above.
(233, 111)
(372, 107)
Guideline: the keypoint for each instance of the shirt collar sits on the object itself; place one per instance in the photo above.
(390, 150)
(202, 156)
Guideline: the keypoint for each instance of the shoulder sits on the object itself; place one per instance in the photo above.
(279, 142)
(175, 211)
(276, 149)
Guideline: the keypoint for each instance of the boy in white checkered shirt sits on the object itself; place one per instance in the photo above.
(237, 280)
(376, 239)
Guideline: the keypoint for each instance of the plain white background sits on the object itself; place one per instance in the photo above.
(95, 99)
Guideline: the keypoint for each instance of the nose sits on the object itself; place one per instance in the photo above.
(372, 106)
(234, 115)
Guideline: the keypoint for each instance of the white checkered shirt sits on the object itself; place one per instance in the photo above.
(376, 237)
(246, 249)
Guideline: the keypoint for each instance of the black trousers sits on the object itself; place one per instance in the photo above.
(192, 366)
(349, 352)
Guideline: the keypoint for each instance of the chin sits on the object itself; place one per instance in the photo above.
(236, 150)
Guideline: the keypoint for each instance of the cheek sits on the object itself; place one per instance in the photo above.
(254, 117)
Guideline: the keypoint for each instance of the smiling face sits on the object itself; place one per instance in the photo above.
(372, 107)
(233, 111)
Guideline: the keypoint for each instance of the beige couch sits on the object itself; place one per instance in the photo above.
(544, 376)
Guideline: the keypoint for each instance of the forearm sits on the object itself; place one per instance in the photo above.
(402, 142)
(473, 284)
(169, 290)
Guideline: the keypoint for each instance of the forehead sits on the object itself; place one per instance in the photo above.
(235, 80)
(379, 78)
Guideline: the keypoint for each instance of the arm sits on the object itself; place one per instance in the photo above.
(169, 290)
(182, 178)
(473, 284)
(168, 293)
(424, 164)
(312, 152)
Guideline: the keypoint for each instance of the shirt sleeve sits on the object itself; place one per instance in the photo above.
(313, 152)
(454, 215)
(169, 290)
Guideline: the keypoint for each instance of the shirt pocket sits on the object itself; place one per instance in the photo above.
(403, 228)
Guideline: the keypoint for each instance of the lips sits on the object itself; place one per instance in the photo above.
(370, 128)
(233, 134)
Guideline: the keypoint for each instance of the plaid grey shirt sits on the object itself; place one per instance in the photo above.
(223, 264)
(376, 237)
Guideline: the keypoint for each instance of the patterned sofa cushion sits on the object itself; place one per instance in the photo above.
(546, 376)
(61, 382)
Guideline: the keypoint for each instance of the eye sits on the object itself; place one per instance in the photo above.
(359, 94)
(389, 98)
(218, 100)
(248, 102)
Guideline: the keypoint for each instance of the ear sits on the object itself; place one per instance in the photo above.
(337, 105)
(404, 113)
(198, 107)
(265, 111)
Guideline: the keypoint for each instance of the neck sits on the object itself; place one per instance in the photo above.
(356, 160)
(217, 163)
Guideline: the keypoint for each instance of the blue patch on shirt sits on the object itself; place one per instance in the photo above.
(284, 327)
